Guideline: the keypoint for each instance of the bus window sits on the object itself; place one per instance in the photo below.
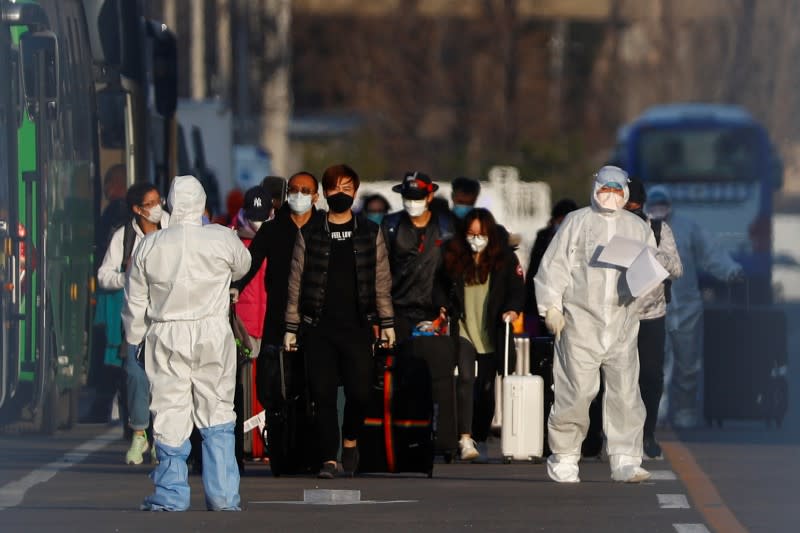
(708, 154)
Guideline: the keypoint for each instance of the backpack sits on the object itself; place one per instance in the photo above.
(392, 222)
(657, 225)
(128, 240)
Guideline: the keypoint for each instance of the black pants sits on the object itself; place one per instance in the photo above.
(488, 368)
(465, 386)
(651, 369)
(338, 356)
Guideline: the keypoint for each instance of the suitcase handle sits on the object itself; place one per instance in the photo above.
(505, 348)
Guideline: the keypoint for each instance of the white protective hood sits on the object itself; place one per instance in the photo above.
(605, 175)
(187, 200)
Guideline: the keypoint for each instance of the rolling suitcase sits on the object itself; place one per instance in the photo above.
(398, 429)
(522, 433)
(440, 354)
(289, 415)
(541, 364)
(745, 358)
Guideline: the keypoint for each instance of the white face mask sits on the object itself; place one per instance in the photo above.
(477, 242)
(610, 201)
(658, 212)
(299, 203)
(255, 224)
(154, 216)
(415, 208)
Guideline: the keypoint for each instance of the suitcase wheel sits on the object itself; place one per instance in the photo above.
(506, 460)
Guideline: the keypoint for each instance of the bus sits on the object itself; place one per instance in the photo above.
(66, 61)
(721, 169)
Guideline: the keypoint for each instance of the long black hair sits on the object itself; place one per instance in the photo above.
(458, 257)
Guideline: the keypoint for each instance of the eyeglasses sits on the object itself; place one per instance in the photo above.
(302, 190)
(151, 205)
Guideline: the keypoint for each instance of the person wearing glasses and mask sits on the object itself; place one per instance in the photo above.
(273, 243)
(339, 286)
(588, 307)
(145, 216)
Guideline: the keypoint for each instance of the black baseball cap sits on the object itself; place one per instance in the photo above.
(257, 203)
(415, 186)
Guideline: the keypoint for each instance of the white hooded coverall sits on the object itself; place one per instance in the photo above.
(600, 332)
(683, 353)
(177, 300)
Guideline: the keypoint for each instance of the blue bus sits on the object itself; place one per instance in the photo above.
(721, 169)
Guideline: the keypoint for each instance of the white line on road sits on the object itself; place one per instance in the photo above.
(12, 494)
(690, 528)
(662, 475)
(673, 501)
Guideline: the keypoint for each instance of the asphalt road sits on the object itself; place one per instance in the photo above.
(741, 477)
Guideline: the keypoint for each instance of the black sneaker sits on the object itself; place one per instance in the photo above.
(350, 460)
(328, 471)
(651, 448)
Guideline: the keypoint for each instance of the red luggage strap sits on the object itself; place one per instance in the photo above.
(387, 414)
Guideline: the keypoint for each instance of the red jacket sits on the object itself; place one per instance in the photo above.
(252, 305)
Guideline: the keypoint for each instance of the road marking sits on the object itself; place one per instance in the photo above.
(12, 494)
(360, 502)
(662, 475)
(691, 528)
(672, 501)
(704, 494)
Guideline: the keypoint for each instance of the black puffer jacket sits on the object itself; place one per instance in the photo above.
(506, 293)
(309, 274)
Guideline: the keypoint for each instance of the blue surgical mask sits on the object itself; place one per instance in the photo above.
(299, 203)
(375, 217)
(461, 210)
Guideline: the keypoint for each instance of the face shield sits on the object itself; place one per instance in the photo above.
(610, 192)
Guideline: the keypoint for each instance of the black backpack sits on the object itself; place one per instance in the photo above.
(128, 240)
(656, 225)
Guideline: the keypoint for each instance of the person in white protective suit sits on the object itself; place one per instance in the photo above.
(589, 309)
(176, 300)
(683, 354)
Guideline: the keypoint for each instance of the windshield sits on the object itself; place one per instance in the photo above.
(708, 154)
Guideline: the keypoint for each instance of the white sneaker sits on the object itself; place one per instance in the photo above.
(139, 446)
(563, 470)
(630, 474)
(467, 449)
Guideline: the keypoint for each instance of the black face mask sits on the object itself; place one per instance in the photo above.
(340, 202)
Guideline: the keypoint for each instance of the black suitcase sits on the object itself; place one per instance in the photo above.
(745, 351)
(289, 414)
(398, 429)
(440, 354)
(542, 354)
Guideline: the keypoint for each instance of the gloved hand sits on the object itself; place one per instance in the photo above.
(234, 295)
(387, 335)
(554, 320)
(290, 341)
(510, 316)
(736, 276)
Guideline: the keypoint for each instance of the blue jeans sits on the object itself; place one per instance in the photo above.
(138, 392)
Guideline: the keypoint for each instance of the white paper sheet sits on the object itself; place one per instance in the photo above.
(621, 251)
(645, 273)
(259, 421)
